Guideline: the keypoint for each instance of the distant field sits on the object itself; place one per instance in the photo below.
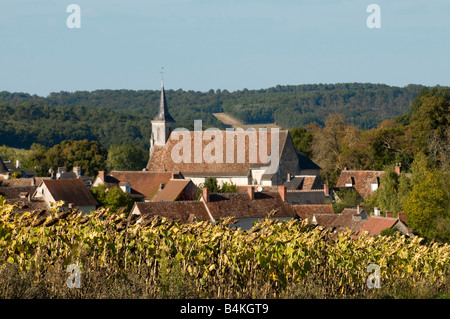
(229, 120)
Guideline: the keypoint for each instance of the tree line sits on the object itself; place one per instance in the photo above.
(123, 116)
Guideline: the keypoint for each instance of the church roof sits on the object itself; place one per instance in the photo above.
(163, 113)
(161, 158)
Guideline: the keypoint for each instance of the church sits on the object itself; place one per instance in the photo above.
(236, 156)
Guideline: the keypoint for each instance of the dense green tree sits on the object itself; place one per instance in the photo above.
(113, 198)
(214, 187)
(86, 154)
(393, 193)
(427, 203)
(302, 140)
(127, 157)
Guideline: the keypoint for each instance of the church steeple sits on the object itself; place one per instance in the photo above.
(163, 124)
(163, 113)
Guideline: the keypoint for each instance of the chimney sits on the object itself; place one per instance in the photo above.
(33, 181)
(398, 168)
(77, 171)
(206, 194)
(376, 211)
(251, 192)
(283, 192)
(101, 175)
(288, 177)
(389, 214)
(356, 217)
(358, 211)
(326, 189)
(18, 164)
(29, 197)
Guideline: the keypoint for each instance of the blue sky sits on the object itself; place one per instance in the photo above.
(220, 44)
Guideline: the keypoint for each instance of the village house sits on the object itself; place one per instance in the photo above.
(142, 185)
(364, 182)
(19, 191)
(376, 224)
(242, 161)
(73, 192)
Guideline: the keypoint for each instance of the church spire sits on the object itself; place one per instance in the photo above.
(163, 113)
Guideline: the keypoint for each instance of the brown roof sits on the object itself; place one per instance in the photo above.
(70, 191)
(376, 224)
(180, 210)
(361, 180)
(240, 205)
(142, 183)
(172, 190)
(21, 182)
(307, 211)
(161, 158)
(347, 220)
(12, 193)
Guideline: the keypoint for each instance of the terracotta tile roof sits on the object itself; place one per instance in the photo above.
(307, 211)
(161, 158)
(240, 205)
(360, 180)
(142, 183)
(179, 210)
(173, 189)
(376, 224)
(70, 191)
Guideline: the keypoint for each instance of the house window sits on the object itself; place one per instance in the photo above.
(374, 187)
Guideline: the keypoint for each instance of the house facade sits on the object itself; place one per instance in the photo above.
(73, 192)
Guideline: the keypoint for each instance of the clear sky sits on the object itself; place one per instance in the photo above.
(220, 44)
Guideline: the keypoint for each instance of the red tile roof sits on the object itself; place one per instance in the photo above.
(377, 224)
(362, 180)
(307, 211)
(143, 183)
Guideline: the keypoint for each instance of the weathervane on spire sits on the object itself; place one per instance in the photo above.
(162, 75)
